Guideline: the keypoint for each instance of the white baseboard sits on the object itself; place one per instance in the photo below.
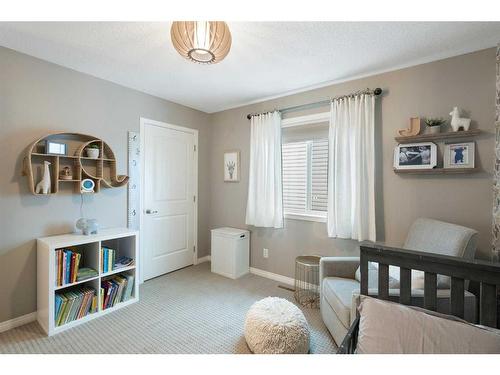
(272, 276)
(17, 322)
(203, 259)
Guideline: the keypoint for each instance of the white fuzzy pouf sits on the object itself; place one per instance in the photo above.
(276, 326)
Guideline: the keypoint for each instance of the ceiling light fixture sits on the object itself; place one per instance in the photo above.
(204, 42)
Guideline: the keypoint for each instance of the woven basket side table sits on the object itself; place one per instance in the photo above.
(307, 280)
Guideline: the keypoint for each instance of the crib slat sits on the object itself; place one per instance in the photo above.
(430, 284)
(405, 286)
(383, 281)
(457, 297)
(488, 305)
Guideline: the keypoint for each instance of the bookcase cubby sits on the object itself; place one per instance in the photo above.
(122, 240)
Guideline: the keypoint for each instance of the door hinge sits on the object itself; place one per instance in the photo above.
(194, 249)
(194, 198)
(194, 148)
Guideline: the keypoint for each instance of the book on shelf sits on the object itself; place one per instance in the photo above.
(74, 304)
(67, 263)
(86, 273)
(116, 289)
(108, 258)
(122, 262)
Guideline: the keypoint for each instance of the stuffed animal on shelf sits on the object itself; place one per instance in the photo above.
(87, 226)
(458, 122)
(43, 186)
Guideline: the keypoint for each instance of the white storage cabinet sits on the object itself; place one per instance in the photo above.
(230, 252)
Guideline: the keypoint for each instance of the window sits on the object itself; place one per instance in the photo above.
(305, 179)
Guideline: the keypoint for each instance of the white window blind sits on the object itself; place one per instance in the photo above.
(319, 175)
(305, 176)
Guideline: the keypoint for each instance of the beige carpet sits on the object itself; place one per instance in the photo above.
(187, 311)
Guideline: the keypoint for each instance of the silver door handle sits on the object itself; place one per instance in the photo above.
(149, 212)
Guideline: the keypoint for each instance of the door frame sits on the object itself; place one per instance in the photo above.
(143, 123)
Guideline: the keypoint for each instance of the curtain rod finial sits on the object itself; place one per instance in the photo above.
(377, 91)
(249, 117)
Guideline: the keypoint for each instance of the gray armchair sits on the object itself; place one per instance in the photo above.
(339, 276)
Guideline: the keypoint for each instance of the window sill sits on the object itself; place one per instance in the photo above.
(306, 217)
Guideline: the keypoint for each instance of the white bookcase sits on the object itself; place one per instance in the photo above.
(124, 241)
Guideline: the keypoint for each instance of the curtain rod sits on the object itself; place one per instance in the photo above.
(375, 92)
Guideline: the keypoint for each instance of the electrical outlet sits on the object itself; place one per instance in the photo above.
(265, 253)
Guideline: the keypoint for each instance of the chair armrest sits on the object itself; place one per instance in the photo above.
(344, 267)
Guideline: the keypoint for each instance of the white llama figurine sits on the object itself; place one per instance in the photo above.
(458, 122)
(44, 184)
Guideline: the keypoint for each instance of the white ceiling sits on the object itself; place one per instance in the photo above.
(267, 59)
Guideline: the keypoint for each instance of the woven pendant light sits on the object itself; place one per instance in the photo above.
(204, 42)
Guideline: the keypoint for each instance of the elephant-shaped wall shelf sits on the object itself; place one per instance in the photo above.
(74, 159)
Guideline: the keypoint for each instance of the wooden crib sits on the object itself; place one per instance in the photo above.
(485, 273)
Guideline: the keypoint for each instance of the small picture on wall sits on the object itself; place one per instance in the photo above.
(459, 155)
(415, 156)
(232, 166)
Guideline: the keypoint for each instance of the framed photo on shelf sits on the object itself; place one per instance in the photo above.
(232, 166)
(415, 156)
(55, 148)
(459, 155)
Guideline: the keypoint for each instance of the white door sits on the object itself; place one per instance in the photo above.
(169, 166)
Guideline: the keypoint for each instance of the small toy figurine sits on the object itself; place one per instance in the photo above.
(43, 186)
(87, 226)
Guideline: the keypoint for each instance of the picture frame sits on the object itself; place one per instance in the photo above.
(459, 155)
(421, 155)
(232, 166)
(56, 148)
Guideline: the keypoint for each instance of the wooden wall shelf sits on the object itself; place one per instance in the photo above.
(101, 170)
(437, 171)
(438, 136)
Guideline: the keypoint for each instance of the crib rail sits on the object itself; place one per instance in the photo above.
(485, 273)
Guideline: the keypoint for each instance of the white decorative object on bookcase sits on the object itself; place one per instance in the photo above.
(126, 243)
(44, 185)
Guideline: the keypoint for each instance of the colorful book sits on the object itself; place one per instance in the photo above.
(64, 306)
(74, 304)
(105, 267)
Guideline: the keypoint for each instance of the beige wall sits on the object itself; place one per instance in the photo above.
(37, 97)
(426, 90)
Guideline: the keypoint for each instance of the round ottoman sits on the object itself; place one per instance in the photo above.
(276, 326)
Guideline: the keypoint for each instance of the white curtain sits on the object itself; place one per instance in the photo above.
(351, 169)
(265, 196)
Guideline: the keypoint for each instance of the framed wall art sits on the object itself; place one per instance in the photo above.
(232, 166)
(459, 155)
(415, 156)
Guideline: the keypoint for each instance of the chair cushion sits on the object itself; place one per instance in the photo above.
(429, 236)
(373, 276)
(338, 293)
(438, 237)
